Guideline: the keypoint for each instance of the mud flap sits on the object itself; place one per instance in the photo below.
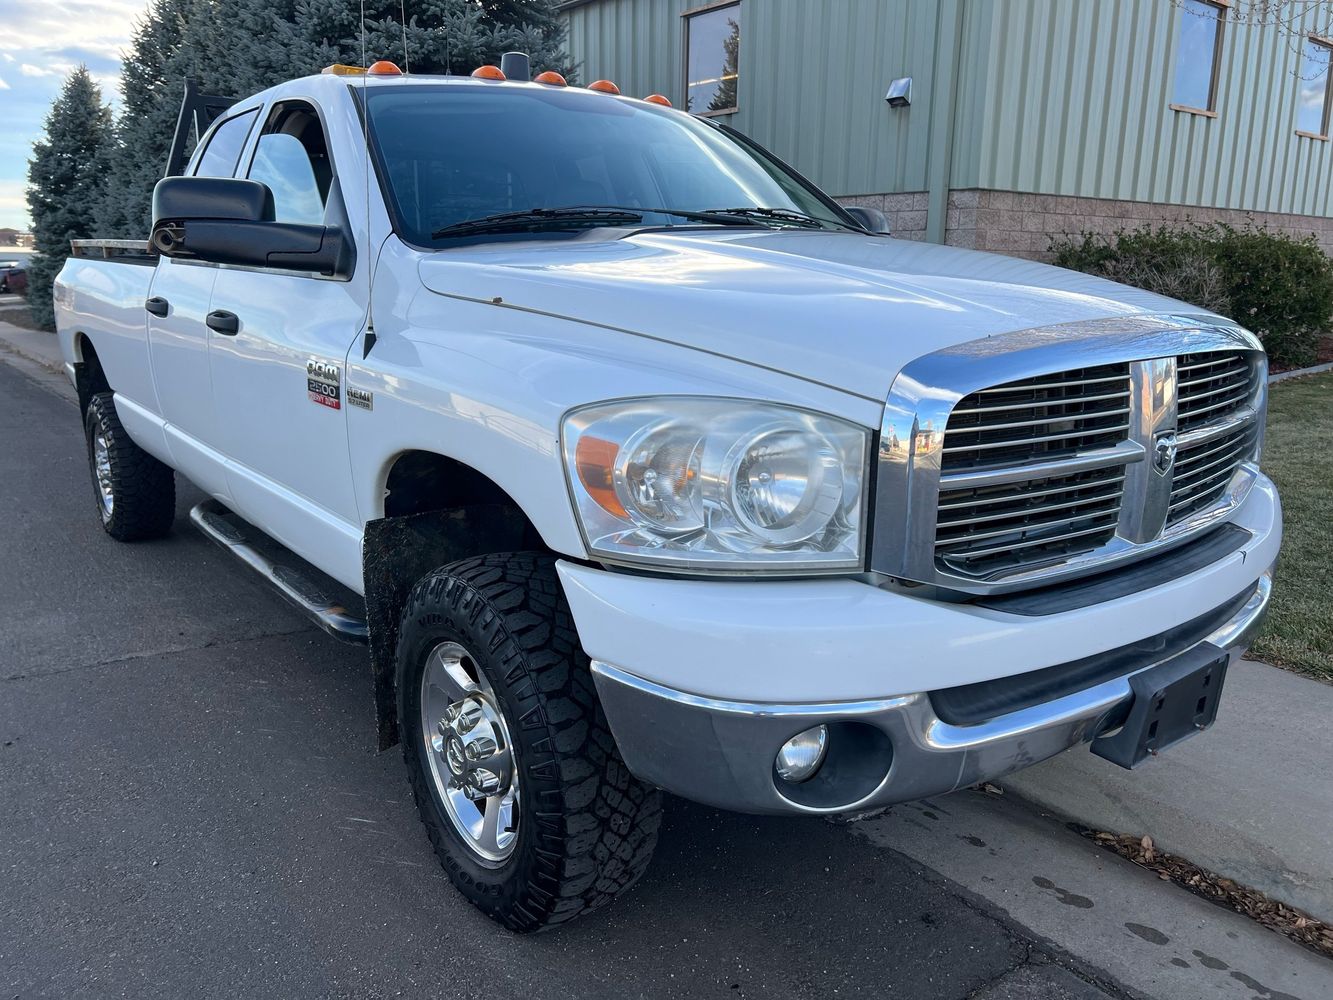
(396, 552)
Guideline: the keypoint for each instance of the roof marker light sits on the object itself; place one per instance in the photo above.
(339, 69)
(384, 68)
(488, 73)
(658, 99)
(550, 78)
(604, 87)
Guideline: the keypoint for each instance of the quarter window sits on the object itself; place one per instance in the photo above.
(224, 146)
(1316, 98)
(1199, 55)
(712, 59)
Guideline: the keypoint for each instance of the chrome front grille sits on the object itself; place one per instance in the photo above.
(1210, 387)
(1050, 471)
(985, 528)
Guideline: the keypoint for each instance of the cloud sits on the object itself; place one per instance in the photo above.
(3, 85)
(13, 205)
(28, 69)
(99, 26)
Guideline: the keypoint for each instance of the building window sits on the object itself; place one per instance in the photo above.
(712, 58)
(1199, 55)
(1316, 97)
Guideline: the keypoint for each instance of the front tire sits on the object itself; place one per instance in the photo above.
(134, 492)
(525, 798)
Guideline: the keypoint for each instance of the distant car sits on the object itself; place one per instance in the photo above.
(13, 278)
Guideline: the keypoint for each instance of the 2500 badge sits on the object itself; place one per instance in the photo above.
(322, 382)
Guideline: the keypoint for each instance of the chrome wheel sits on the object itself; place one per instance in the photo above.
(469, 752)
(102, 469)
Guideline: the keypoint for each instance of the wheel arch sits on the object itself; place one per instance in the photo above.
(434, 510)
(89, 375)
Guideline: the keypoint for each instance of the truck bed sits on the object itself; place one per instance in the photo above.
(121, 251)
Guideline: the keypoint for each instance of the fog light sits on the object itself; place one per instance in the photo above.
(801, 755)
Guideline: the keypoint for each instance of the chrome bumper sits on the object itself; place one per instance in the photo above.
(722, 752)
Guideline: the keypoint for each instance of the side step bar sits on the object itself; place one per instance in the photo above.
(210, 517)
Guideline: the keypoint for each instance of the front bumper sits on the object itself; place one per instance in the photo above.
(882, 751)
(703, 680)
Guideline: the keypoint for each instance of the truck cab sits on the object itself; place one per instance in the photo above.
(639, 463)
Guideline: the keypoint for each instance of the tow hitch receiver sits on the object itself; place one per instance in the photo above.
(1172, 702)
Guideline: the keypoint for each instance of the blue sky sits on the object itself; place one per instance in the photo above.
(40, 42)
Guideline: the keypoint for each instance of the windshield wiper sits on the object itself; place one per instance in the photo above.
(540, 218)
(776, 214)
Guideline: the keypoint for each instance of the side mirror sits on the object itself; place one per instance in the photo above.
(225, 221)
(872, 220)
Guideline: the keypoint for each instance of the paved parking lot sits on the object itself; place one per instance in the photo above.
(190, 804)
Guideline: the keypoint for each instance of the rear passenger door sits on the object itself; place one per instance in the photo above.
(278, 379)
(177, 336)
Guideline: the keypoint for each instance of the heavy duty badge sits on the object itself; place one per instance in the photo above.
(322, 382)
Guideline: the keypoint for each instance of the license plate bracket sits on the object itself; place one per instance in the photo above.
(1172, 702)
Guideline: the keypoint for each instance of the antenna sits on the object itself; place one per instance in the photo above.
(402, 21)
(369, 340)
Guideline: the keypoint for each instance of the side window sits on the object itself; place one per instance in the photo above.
(224, 147)
(1199, 55)
(712, 59)
(1316, 97)
(292, 158)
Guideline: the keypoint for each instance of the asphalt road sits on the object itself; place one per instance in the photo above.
(190, 805)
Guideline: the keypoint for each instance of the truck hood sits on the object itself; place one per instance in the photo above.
(840, 309)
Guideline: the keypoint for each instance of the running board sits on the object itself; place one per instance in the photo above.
(295, 584)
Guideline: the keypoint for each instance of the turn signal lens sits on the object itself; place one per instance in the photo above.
(384, 68)
(595, 461)
(658, 99)
(488, 73)
(604, 87)
(551, 79)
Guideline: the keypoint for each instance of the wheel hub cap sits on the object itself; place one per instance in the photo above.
(474, 747)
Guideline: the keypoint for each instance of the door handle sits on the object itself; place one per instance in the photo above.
(223, 322)
(157, 305)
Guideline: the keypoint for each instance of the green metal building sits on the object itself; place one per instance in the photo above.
(1027, 118)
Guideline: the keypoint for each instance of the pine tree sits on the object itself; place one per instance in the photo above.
(240, 47)
(67, 178)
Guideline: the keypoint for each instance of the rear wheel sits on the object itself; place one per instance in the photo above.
(526, 800)
(135, 493)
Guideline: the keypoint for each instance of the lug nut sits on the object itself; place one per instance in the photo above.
(480, 748)
(469, 714)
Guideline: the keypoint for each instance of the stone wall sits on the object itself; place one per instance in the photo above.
(1022, 225)
(906, 212)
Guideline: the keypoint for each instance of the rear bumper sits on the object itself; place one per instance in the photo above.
(881, 751)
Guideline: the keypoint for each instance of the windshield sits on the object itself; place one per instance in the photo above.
(451, 154)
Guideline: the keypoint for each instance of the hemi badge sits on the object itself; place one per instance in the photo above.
(360, 397)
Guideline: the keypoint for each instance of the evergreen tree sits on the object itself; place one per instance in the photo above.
(66, 181)
(239, 47)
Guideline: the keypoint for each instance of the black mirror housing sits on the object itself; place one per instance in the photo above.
(222, 220)
(872, 220)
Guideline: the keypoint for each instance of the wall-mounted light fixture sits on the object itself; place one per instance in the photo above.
(900, 93)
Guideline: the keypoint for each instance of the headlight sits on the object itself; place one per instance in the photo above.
(718, 485)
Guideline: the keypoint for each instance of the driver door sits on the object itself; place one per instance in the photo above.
(278, 375)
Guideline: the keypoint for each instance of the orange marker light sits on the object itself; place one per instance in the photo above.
(595, 460)
(488, 73)
(658, 99)
(550, 78)
(339, 69)
(604, 87)
(384, 68)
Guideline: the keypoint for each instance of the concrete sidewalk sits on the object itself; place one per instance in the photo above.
(1252, 799)
(35, 345)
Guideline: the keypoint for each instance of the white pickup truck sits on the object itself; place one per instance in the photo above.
(641, 464)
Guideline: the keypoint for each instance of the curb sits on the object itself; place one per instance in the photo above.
(1301, 372)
